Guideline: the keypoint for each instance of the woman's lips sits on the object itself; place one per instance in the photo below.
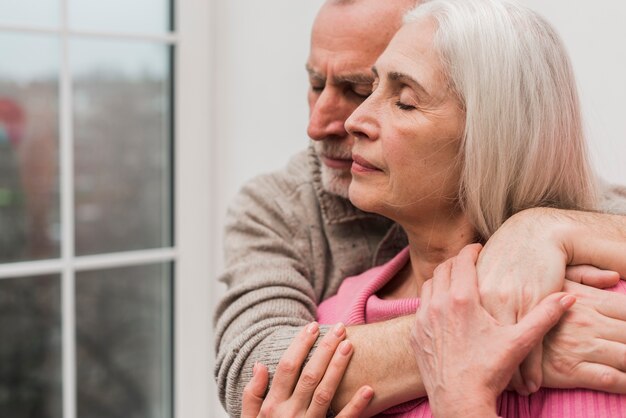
(361, 165)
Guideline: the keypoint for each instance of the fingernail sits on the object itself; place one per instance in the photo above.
(532, 386)
(367, 393)
(567, 301)
(313, 328)
(345, 347)
(339, 329)
(254, 368)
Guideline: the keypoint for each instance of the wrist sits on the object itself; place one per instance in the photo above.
(556, 226)
(463, 401)
(467, 410)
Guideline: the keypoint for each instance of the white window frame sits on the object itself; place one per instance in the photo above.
(194, 280)
(195, 393)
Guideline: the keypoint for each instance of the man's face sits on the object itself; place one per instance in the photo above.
(345, 42)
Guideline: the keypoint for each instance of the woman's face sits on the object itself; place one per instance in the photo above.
(406, 152)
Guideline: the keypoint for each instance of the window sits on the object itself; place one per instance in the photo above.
(104, 209)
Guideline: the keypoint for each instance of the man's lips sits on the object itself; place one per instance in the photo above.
(337, 163)
(361, 165)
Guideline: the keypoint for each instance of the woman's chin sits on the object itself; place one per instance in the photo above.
(363, 200)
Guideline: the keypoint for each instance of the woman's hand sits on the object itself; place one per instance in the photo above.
(308, 393)
(529, 377)
(587, 348)
(466, 358)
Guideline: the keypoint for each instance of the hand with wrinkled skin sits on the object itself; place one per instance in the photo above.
(308, 393)
(587, 348)
(526, 259)
(465, 357)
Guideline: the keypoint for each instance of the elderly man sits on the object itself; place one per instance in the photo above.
(292, 237)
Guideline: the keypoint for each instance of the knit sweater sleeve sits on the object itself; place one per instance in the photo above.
(270, 293)
(613, 199)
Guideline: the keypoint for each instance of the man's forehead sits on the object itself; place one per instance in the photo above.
(347, 39)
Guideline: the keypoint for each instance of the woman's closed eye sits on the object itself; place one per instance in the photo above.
(404, 106)
(406, 99)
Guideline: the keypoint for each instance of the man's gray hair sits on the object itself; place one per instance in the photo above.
(523, 144)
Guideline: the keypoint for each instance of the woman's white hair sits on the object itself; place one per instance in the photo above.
(523, 144)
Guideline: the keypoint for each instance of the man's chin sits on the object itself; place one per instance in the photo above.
(336, 182)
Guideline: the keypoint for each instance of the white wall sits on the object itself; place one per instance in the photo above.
(261, 84)
(260, 106)
(594, 33)
(261, 111)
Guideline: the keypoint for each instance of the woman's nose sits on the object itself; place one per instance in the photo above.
(362, 124)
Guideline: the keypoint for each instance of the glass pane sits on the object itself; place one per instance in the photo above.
(29, 12)
(30, 351)
(124, 337)
(29, 142)
(140, 16)
(122, 131)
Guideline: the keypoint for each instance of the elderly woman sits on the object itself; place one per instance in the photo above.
(474, 116)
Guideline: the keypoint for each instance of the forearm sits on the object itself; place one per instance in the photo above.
(383, 359)
(613, 199)
(473, 409)
(270, 291)
(254, 324)
(235, 362)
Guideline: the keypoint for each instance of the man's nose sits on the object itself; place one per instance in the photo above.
(328, 115)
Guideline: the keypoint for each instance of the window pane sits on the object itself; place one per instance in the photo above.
(122, 132)
(29, 12)
(140, 16)
(30, 351)
(29, 172)
(124, 331)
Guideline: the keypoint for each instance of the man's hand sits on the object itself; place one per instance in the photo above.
(525, 260)
(587, 349)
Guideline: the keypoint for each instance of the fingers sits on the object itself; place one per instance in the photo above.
(518, 384)
(532, 327)
(602, 252)
(609, 304)
(254, 392)
(613, 330)
(600, 377)
(288, 369)
(529, 332)
(357, 404)
(441, 278)
(426, 295)
(464, 281)
(530, 369)
(592, 276)
(316, 367)
(325, 391)
(608, 353)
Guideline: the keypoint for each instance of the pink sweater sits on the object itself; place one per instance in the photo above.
(356, 303)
